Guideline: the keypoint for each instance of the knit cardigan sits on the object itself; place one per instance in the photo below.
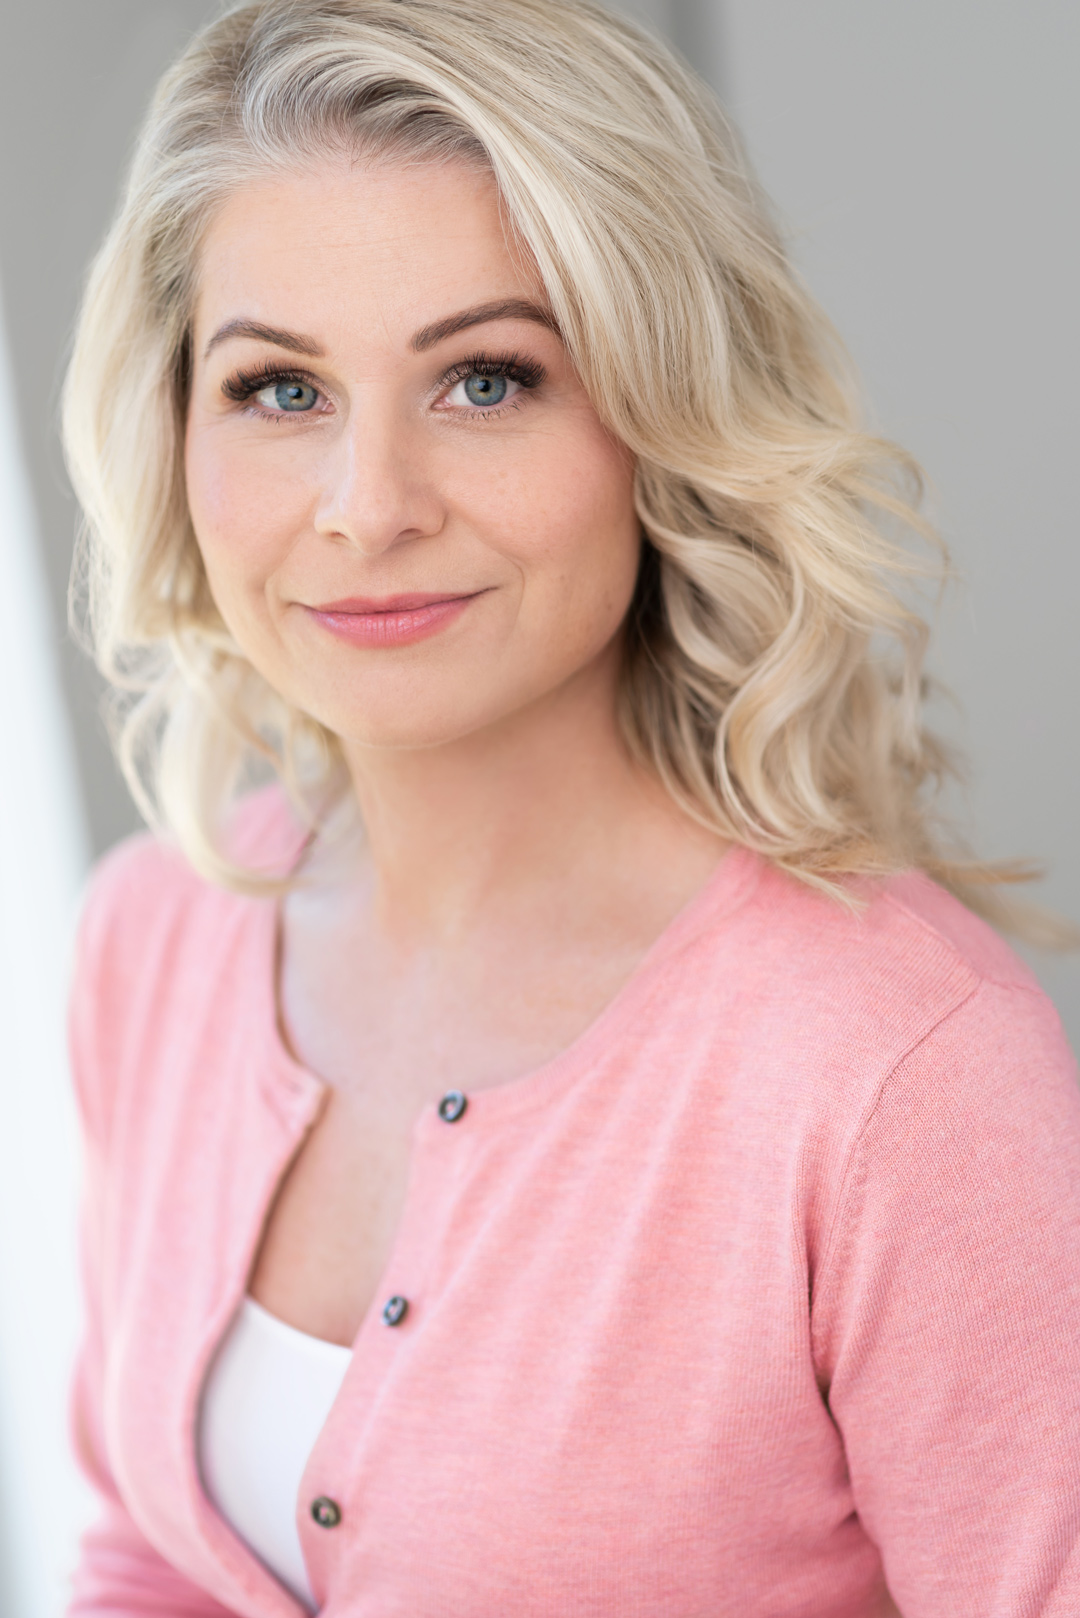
(761, 1296)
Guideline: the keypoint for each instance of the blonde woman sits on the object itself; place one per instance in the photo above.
(555, 1143)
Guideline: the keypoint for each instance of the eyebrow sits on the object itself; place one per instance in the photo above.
(427, 337)
(264, 334)
(501, 309)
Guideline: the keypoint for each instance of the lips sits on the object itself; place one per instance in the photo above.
(390, 621)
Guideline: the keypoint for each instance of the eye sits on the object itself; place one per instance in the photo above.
(480, 388)
(479, 383)
(288, 395)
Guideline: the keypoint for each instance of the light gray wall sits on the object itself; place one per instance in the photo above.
(695, 27)
(926, 158)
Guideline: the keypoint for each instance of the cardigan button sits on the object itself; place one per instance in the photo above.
(326, 1512)
(394, 1311)
(452, 1106)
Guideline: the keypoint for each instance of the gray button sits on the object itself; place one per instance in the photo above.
(452, 1106)
(326, 1512)
(394, 1311)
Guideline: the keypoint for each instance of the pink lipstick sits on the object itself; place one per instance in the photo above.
(393, 621)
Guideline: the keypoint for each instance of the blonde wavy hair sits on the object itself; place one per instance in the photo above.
(772, 673)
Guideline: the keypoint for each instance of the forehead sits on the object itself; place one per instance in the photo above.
(342, 248)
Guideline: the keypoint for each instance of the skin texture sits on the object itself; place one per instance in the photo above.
(515, 863)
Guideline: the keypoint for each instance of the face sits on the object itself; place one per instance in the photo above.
(413, 521)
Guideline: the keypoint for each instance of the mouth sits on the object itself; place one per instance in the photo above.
(390, 620)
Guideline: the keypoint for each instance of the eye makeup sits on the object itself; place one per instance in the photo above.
(244, 383)
(528, 373)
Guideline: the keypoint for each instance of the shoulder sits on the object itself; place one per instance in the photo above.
(905, 954)
(146, 882)
(887, 1044)
(970, 1133)
(916, 908)
(824, 1000)
(997, 1059)
(156, 940)
(904, 923)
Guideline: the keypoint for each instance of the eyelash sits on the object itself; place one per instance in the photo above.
(242, 385)
(515, 367)
(527, 373)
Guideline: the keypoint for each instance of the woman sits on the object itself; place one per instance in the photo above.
(556, 1146)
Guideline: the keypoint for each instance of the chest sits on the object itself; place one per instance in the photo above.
(602, 1358)
(393, 1036)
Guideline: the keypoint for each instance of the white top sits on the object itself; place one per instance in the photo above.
(266, 1399)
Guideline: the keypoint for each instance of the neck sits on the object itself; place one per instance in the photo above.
(549, 801)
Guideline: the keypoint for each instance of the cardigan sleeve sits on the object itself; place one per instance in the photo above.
(119, 1574)
(946, 1316)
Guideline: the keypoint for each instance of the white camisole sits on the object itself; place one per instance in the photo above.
(266, 1398)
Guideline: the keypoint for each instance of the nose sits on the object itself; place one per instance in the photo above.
(378, 489)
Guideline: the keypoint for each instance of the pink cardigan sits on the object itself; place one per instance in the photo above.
(765, 1290)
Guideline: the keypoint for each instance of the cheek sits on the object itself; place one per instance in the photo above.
(243, 520)
(565, 518)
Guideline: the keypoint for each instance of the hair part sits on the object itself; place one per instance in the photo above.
(773, 672)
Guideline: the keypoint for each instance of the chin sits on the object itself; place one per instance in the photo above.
(416, 725)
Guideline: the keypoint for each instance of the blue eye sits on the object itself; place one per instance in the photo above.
(485, 390)
(484, 381)
(288, 396)
(294, 396)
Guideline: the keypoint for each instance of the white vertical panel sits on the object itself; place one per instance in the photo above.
(42, 861)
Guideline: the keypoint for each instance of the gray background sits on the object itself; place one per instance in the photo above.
(923, 157)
